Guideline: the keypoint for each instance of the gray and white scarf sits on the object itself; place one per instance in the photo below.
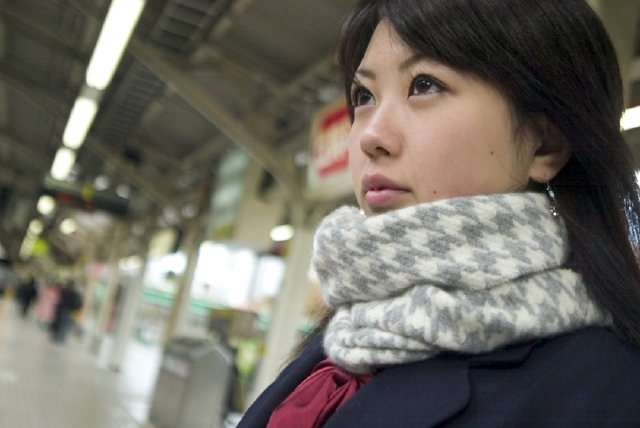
(467, 275)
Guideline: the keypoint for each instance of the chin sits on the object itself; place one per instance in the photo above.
(382, 210)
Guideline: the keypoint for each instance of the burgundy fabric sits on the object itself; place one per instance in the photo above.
(316, 398)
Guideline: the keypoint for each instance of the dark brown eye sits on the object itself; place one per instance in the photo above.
(425, 85)
(361, 96)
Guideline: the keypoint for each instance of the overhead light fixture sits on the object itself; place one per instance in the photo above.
(101, 183)
(80, 120)
(46, 204)
(35, 227)
(133, 262)
(123, 191)
(630, 118)
(282, 233)
(62, 164)
(116, 31)
(68, 226)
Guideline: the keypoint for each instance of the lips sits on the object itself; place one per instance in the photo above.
(381, 191)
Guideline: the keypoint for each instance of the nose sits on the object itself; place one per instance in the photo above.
(381, 135)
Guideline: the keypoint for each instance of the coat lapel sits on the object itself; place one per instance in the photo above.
(258, 414)
(414, 395)
(422, 394)
(510, 356)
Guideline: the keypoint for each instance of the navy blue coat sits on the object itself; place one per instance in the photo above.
(583, 379)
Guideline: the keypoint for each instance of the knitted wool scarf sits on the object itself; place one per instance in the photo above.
(468, 275)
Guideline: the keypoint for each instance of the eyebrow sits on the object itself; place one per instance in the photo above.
(404, 65)
(411, 61)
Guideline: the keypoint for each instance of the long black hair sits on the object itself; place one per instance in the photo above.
(550, 59)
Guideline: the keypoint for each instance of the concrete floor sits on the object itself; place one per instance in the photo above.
(43, 384)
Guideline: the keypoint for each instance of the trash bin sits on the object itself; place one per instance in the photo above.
(192, 386)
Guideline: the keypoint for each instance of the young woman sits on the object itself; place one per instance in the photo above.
(492, 280)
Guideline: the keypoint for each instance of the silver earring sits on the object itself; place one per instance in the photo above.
(553, 210)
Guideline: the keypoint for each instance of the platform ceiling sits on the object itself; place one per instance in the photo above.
(199, 78)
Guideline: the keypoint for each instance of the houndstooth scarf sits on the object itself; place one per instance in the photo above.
(468, 275)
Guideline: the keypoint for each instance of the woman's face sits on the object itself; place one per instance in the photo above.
(424, 132)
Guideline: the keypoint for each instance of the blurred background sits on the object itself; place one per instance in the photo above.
(169, 160)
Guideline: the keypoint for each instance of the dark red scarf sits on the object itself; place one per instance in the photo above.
(316, 398)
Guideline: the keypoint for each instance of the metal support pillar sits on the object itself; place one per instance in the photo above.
(112, 286)
(86, 285)
(178, 318)
(283, 333)
(128, 315)
(177, 323)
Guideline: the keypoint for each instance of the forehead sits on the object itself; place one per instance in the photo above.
(386, 40)
(387, 49)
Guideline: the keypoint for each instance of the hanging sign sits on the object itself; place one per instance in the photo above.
(328, 169)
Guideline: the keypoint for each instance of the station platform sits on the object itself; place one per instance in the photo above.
(46, 384)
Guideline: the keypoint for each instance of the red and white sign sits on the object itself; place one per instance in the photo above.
(329, 164)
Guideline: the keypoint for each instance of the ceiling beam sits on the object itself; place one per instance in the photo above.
(234, 65)
(237, 8)
(237, 131)
(50, 103)
(206, 152)
(44, 35)
(89, 10)
(147, 187)
(11, 178)
(322, 68)
(150, 188)
(150, 150)
(4, 102)
(33, 156)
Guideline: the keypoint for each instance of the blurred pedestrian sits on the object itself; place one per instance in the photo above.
(70, 301)
(45, 309)
(26, 295)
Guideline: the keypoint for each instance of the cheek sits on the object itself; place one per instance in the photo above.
(472, 154)
(356, 162)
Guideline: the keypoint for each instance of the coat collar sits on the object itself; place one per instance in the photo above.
(411, 395)
(422, 394)
(258, 414)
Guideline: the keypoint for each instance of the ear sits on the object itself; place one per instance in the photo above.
(552, 153)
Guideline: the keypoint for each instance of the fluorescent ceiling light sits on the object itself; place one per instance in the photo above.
(282, 233)
(46, 204)
(80, 119)
(63, 163)
(630, 118)
(116, 31)
(27, 246)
